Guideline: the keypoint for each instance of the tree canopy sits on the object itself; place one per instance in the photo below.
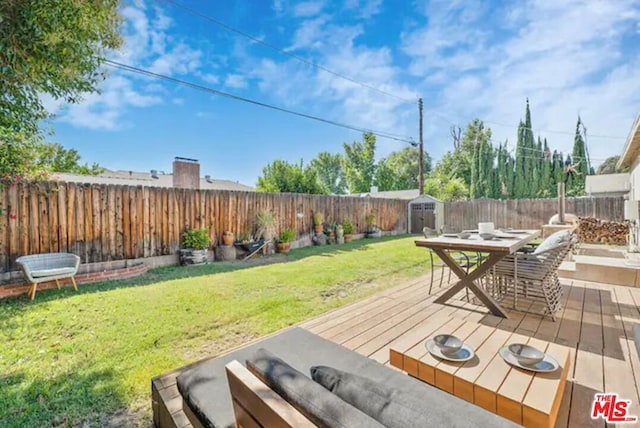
(533, 171)
(359, 163)
(53, 48)
(400, 170)
(282, 176)
(328, 168)
(610, 166)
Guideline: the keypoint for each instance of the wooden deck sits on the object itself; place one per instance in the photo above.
(595, 323)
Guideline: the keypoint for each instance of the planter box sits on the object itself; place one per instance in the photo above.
(192, 257)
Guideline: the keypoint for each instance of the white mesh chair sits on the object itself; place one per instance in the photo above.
(39, 268)
(531, 277)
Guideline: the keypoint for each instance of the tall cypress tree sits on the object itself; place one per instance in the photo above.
(520, 170)
(580, 167)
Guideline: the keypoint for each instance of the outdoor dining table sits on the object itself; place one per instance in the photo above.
(504, 244)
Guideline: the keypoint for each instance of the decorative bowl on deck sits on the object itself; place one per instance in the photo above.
(526, 354)
(464, 235)
(448, 343)
(487, 236)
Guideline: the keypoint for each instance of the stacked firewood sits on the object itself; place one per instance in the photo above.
(595, 231)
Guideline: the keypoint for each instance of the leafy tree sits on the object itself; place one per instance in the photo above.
(328, 167)
(58, 159)
(385, 178)
(580, 167)
(400, 170)
(610, 166)
(359, 163)
(31, 158)
(52, 47)
(282, 176)
(445, 188)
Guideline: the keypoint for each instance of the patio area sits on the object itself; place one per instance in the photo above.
(594, 324)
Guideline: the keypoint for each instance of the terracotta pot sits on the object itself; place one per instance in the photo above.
(227, 239)
(348, 238)
(318, 228)
(284, 247)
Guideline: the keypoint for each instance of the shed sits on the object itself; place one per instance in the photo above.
(425, 211)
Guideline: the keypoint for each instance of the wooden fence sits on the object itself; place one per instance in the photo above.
(527, 213)
(109, 222)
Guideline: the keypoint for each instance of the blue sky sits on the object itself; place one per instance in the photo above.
(465, 58)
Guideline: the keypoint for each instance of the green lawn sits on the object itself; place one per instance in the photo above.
(87, 358)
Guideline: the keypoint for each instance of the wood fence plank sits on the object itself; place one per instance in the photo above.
(13, 229)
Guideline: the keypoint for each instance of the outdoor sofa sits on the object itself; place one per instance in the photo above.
(46, 267)
(284, 362)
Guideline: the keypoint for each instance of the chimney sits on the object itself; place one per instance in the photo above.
(208, 178)
(186, 173)
(154, 173)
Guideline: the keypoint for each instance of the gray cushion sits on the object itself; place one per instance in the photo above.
(320, 406)
(554, 240)
(388, 405)
(205, 389)
(52, 272)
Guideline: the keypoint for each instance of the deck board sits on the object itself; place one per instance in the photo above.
(594, 323)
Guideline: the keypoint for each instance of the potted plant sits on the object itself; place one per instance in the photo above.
(266, 225)
(244, 238)
(372, 230)
(195, 243)
(348, 230)
(284, 240)
(227, 237)
(317, 222)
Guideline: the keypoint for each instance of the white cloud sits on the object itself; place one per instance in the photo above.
(366, 8)
(178, 101)
(308, 8)
(567, 57)
(236, 81)
(148, 44)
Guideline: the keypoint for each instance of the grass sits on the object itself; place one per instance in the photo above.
(83, 359)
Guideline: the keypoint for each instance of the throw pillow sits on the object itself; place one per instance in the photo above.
(312, 400)
(389, 406)
(554, 240)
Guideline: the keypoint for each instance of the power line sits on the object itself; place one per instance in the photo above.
(282, 51)
(148, 73)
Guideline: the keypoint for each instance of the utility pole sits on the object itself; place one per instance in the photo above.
(420, 154)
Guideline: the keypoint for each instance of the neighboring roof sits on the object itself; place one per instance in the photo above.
(423, 198)
(132, 178)
(607, 184)
(391, 194)
(632, 146)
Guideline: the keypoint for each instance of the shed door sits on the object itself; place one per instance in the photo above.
(423, 215)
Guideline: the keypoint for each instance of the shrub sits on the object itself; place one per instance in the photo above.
(317, 219)
(347, 227)
(198, 239)
(287, 235)
(371, 220)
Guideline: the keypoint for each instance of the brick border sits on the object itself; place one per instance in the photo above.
(11, 290)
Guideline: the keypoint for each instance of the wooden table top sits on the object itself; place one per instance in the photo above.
(526, 398)
(506, 243)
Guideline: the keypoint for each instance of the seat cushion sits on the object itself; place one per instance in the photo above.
(553, 241)
(52, 272)
(205, 389)
(388, 405)
(318, 404)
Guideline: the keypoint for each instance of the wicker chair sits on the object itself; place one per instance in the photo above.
(463, 260)
(532, 276)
